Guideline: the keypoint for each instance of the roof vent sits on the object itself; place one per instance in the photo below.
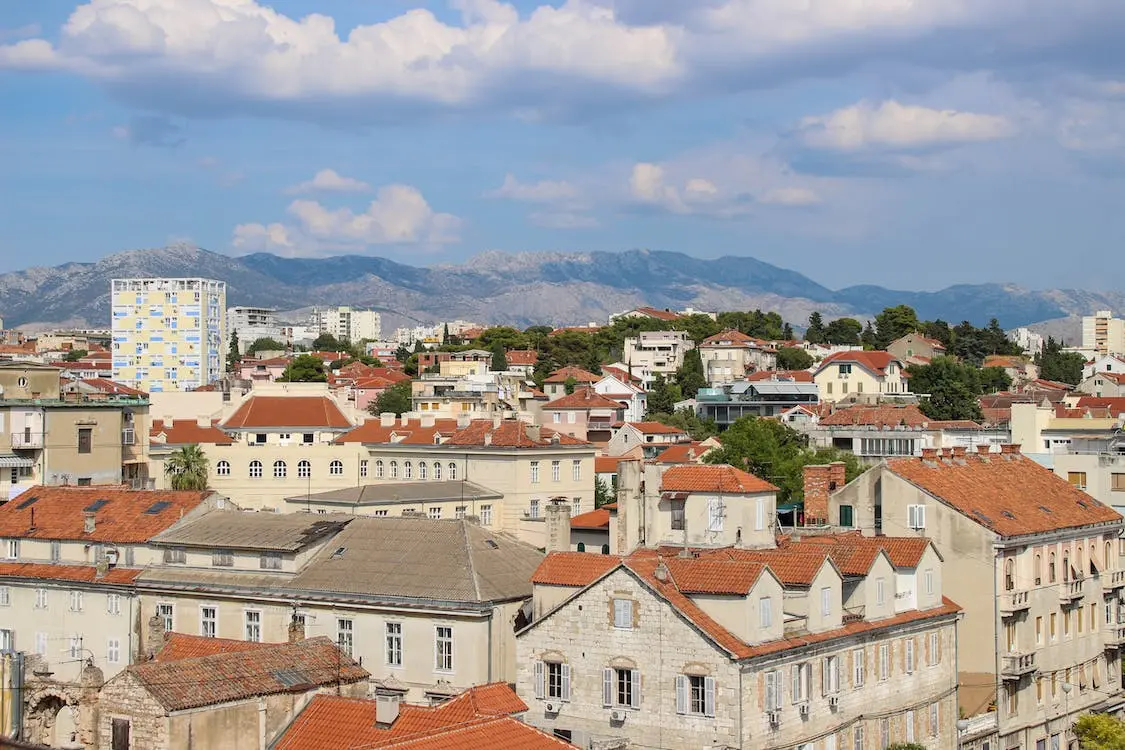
(157, 508)
(27, 503)
(1007, 514)
(338, 553)
(492, 544)
(95, 506)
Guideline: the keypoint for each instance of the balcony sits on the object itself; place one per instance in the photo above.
(1014, 602)
(1070, 591)
(1015, 666)
(27, 440)
(1114, 635)
(1113, 579)
(854, 614)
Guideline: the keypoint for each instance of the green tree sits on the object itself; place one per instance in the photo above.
(950, 387)
(894, 323)
(445, 334)
(233, 354)
(402, 353)
(994, 380)
(410, 366)
(603, 494)
(792, 358)
(843, 332)
(1055, 364)
(304, 368)
(815, 333)
(395, 399)
(76, 354)
(690, 377)
(697, 326)
(869, 338)
(1100, 732)
(187, 467)
(940, 330)
(687, 420)
(326, 342)
(504, 336)
(663, 396)
(570, 384)
(264, 345)
(499, 358)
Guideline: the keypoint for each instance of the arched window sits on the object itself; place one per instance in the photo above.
(582, 546)
(407, 470)
(1109, 555)
(222, 469)
(1038, 569)
(279, 470)
(605, 549)
(452, 471)
(379, 469)
(1066, 565)
(394, 469)
(437, 470)
(423, 470)
(1079, 568)
(1051, 574)
(255, 469)
(1093, 558)
(336, 468)
(304, 469)
(1009, 574)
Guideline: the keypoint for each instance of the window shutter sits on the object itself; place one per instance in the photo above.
(539, 691)
(824, 684)
(808, 680)
(796, 683)
(760, 514)
(566, 682)
(709, 696)
(771, 691)
(909, 655)
(635, 679)
(681, 694)
(921, 516)
(607, 687)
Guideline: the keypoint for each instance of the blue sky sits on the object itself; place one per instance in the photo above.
(909, 144)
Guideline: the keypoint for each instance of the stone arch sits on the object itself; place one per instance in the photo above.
(52, 717)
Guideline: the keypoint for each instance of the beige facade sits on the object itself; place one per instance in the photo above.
(1102, 333)
(863, 375)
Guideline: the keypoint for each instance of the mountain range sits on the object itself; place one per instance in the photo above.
(515, 288)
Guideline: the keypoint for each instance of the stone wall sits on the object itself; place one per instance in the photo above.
(821, 481)
(124, 697)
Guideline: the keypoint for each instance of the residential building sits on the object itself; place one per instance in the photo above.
(1043, 429)
(652, 438)
(427, 606)
(584, 415)
(732, 355)
(861, 374)
(264, 370)
(1019, 369)
(1103, 363)
(482, 716)
(432, 499)
(624, 390)
(168, 334)
(228, 698)
(1028, 340)
(347, 323)
(84, 437)
(557, 382)
(652, 353)
(822, 642)
(915, 346)
(1037, 566)
(651, 313)
(252, 323)
(1104, 384)
(1102, 333)
(726, 403)
(522, 361)
(469, 362)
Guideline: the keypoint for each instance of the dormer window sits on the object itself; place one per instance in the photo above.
(12, 549)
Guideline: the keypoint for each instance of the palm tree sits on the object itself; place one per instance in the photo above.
(188, 468)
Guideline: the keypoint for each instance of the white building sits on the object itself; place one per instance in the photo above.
(1027, 339)
(252, 323)
(168, 334)
(1102, 333)
(347, 323)
(653, 353)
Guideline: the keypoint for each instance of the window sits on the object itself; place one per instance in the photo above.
(452, 471)
(623, 614)
(7, 640)
(269, 561)
(621, 687)
(576, 507)
(1117, 482)
(394, 469)
(5, 596)
(379, 469)
(1051, 568)
(75, 601)
(847, 516)
(255, 469)
(765, 612)
(393, 638)
(552, 680)
(916, 516)
(802, 682)
(928, 579)
(1013, 694)
(1054, 625)
(304, 469)
(175, 555)
(423, 470)
(113, 651)
(74, 647)
(1077, 479)
(759, 514)
(336, 468)
(222, 469)
(715, 513)
(345, 635)
(535, 472)
(859, 667)
(1009, 574)
(534, 510)
(363, 468)
(773, 690)
(40, 598)
(576, 470)
(934, 657)
(253, 626)
(858, 743)
(443, 648)
(1066, 624)
(695, 695)
(437, 471)
(1039, 689)
(434, 513)
(222, 558)
(459, 512)
(85, 439)
(880, 591)
(208, 622)
(1038, 569)
(678, 516)
(910, 656)
(168, 613)
(884, 662)
(909, 721)
(830, 675)
(486, 515)
(407, 470)
(825, 601)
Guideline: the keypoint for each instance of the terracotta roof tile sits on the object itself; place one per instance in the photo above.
(683, 453)
(714, 575)
(113, 388)
(657, 313)
(584, 398)
(875, 362)
(728, 339)
(72, 573)
(1116, 377)
(188, 432)
(183, 646)
(608, 464)
(722, 478)
(594, 520)
(622, 375)
(125, 516)
(563, 374)
(1114, 406)
(573, 568)
(793, 567)
(273, 412)
(1008, 494)
(412, 433)
(656, 428)
(510, 434)
(797, 376)
(522, 357)
(882, 415)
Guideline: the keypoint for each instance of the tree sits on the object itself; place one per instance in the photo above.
(504, 336)
(1100, 732)
(395, 399)
(445, 334)
(787, 332)
(570, 384)
(304, 368)
(402, 353)
(869, 338)
(663, 396)
(894, 323)
(326, 342)
(603, 494)
(499, 359)
(687, 420)
(843, 332)
(815, 333)
(76, 354)
(1055, 364)
(994, 380)
(233, 354)
(792, 358)
(697, 326)
(939, 330)
(690, 377)
(951, 389)
(187, 468)
(264, 345)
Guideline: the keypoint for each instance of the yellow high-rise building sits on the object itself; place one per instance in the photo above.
(168, 334)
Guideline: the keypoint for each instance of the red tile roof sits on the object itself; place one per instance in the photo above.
(1009, 494)
(656, 428)
(183, 646)
(127, 516)
(882, 415)
(622, 375)
(683, 453)
(239, 675)
(1114, 406)
(714, 575)
(72, 573)
(478, 717)
(273, 412)
(608, 464)
(583, 398)
(797, 376)
(848, 548)
(1116, 377)
(112, 388)
(729, 338)
(188, 432)
(412, 433)
(523, 357)
(721, 478)
(563, 374)
(793, 567)
(594, 520)
(510, 434)
(1004, 360)
(656, 313)
(573, 568)
(875, 362)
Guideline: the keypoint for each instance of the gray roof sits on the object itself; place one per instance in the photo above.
(401, 492)
(420, 558)
(782, 387)
(229, 529)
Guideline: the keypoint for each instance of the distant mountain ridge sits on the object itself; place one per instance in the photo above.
(516, 288)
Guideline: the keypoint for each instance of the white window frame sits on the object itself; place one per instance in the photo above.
(695, 695)
(916, 517)
(41, 600)
(213, 620)
(345, 635)
(113, 651)
(443, 658)
(556, 470)
(801, 682)
(622, 613)
(715, 513)
(773, 690)
(167, 610)
(830, 675)
(113, 604)
(576, 470)
(392, 644)
(434, 512)
(880, 591)
(825, 601)
(765, 612)
(486, 515)
(534, 466)
(5, 596)
(12, 549)
(252, 625)
(910, 655)
(859, 667)
(884, 662)
(928, 579)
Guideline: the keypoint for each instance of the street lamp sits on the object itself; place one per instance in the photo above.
(1066, 688)
(962, 725)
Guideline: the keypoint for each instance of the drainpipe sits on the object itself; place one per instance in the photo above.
(261, 724)
(491, 614)
(17, 701)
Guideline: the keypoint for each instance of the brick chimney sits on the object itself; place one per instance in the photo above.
(155, 635)
(983, 451)
(296, 628)
(558, 525)
(1010, 449)
(820, 481)
(959, 451)
(930, 454)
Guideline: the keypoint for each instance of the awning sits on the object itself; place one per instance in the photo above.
(788, 508)
(678, 496)
(12, 461)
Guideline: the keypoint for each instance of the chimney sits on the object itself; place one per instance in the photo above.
(983, 450)
(155, 633)
(296, 628)
(534, 433)
(1010, 449)
(947, 453)
(930, 454)
(427, 420)
(405, 419)
(89, 522)
(629, 510)
(463, 420)
(816, 482)
(387, 419)
(958, 451)
(386, 709)
(558, 525)
(203, 421)
(101, 568)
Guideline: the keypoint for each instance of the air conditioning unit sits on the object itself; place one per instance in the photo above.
(833, 701)
(552, 708)
(803, 709)
(617, 716)
(775, 718)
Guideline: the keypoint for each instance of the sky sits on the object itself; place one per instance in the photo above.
(907, 143)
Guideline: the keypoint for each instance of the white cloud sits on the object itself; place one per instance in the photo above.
(896, 126)
(544, 191)
(399, 215)
(790, 196)
(648, 185)
(329, 180)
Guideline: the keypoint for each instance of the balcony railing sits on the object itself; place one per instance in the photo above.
(1071, 591)
(1012, 602)
(27, 440)
(1115, 635)
(1113, 579)
(854, 614)
(1014, 666)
